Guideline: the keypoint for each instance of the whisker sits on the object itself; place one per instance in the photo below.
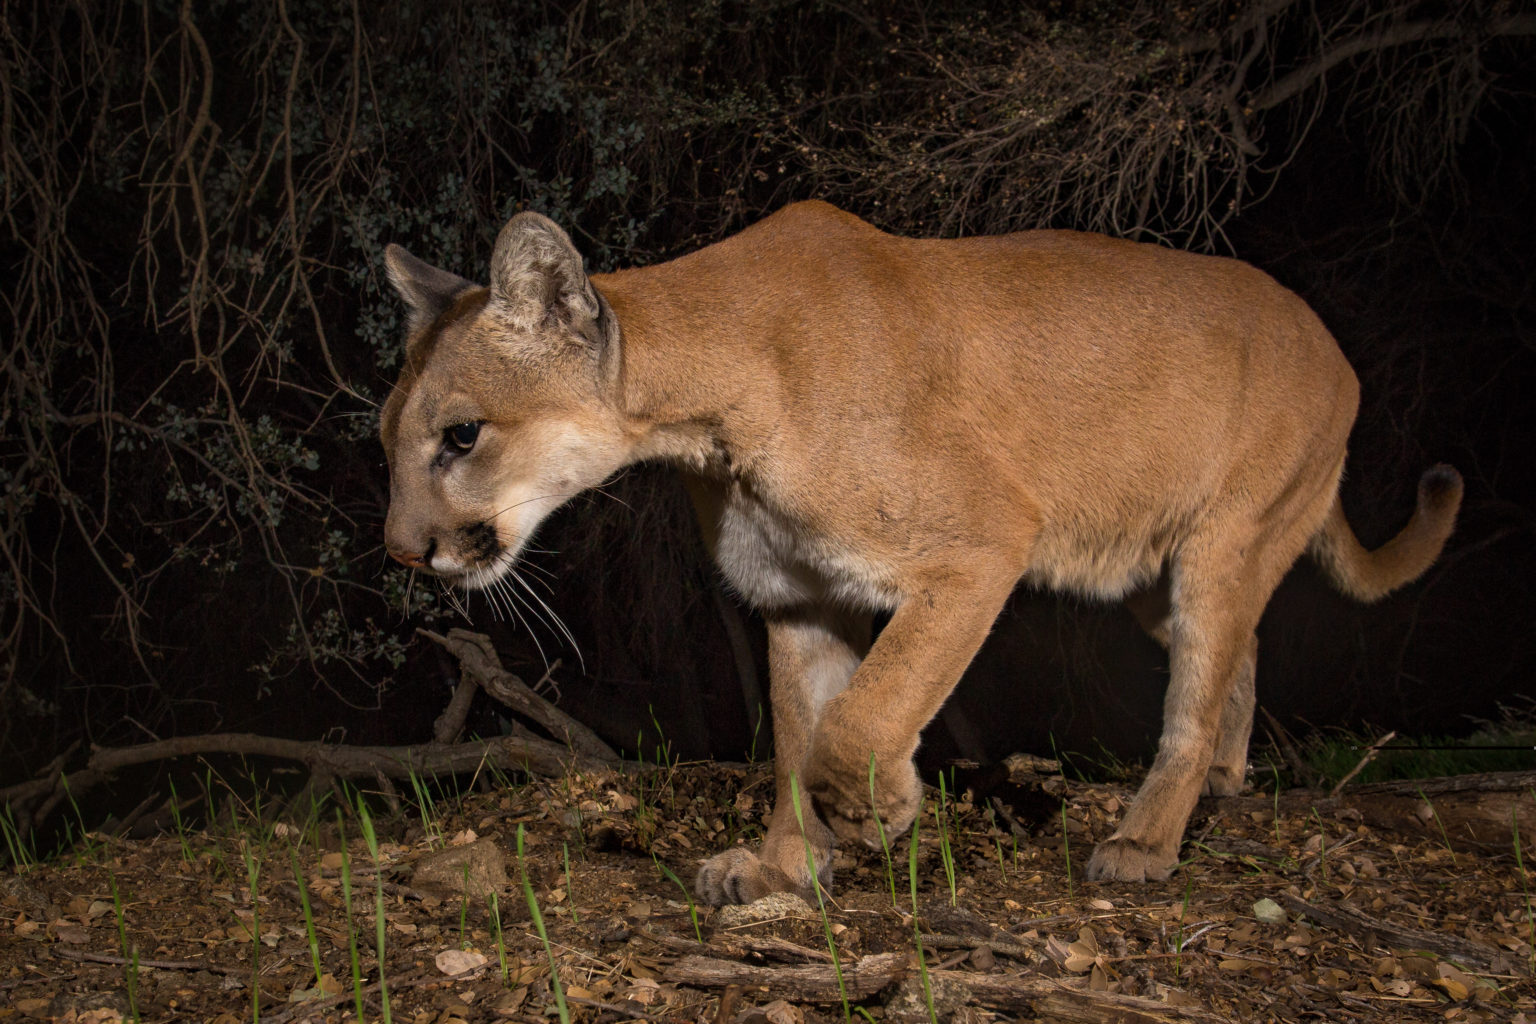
(531, 567)
(453, 600)
(530, 550)
(559, 624)
(489, 590)
(513, 595)
(532, 633)
(538, 497)
(612, 497)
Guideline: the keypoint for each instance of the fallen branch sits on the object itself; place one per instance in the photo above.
(538, 757)
(1044, 997)
(1008, 949)
(478, 661)
(1485, 782)
(1467, 811)
(86, 956)
(812, 983)
(1375, 930)
(1055, 1000)
(582, 749)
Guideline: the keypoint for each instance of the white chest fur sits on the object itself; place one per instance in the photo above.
(776, 561)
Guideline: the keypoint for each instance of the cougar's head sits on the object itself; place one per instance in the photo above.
(504, 408)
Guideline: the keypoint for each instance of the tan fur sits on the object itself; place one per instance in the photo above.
(872, 422)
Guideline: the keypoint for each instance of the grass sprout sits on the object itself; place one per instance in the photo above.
(538, 926)
(821, 902)
(667, 873)
(17, 846)
(885, 846)
(946, 849)
(346, 896)
(309, 917)
(366, 821)
(501, 945)
(1066, 847)
(917, 932)
(181, 826)
(570, 891)
(427, 809)
(130, 953)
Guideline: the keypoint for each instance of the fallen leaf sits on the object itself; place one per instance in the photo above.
(643, 991)
(73, 934)
(1082, 954)
(327, 987)
(781, 1012)
(454, 962)
(509, 1003)
(1456, 983)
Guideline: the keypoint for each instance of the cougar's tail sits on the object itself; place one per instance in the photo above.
(1370, 575)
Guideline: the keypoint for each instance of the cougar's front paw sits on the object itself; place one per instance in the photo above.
(841, 789)
(1118, 859)
(739, 875)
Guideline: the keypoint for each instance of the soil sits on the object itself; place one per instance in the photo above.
(1304, 916)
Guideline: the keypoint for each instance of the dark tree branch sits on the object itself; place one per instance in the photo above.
(1382, 39)
(478, 660)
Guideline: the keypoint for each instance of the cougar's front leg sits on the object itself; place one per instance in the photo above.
(915, 663)
(811, 656)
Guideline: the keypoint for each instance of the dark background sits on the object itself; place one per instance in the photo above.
(195, 204)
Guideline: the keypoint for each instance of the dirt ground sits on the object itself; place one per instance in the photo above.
(1311, 916)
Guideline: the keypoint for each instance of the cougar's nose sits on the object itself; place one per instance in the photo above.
(411, 559)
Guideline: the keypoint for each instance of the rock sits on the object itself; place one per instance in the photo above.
(478, 868)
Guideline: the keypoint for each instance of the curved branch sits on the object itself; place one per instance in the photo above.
(1381, 39)
(477, 657)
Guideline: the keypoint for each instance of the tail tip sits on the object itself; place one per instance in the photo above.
(1440, 486)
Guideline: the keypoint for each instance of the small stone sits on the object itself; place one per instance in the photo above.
(478, 869)
(1269, 912)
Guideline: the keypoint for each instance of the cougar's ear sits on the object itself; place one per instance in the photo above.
(425, 289)
(537, 277)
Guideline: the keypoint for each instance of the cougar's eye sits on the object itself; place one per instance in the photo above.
(461, 436)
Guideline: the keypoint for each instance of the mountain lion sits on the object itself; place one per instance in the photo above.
(868, 422)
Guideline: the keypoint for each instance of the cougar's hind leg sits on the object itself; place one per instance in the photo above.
(812, 653)
(1153, 610)
(1221, 580)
